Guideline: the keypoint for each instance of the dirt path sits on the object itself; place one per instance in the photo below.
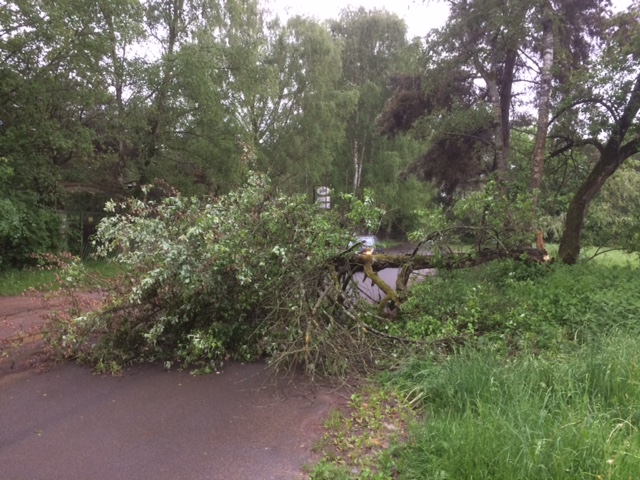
(151, 424)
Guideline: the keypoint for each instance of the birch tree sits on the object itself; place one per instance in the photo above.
(371, 42)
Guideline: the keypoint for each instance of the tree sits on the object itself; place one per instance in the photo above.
(372, 43)
(278, 88)
(485, 40)
(608, 104)
(303, 151)
(462, 100)
(48, 88)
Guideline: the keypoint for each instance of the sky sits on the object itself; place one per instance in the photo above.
(420, 16)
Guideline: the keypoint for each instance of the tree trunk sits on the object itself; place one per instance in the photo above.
(500, 162)
(446, 261)
(357, 165)
(544, 105)
(609, 162)
(500, 87)
(506, 89)
(371, 264)
(357, 155)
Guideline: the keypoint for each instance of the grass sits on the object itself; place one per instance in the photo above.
(543, 417)
(549, 388)
(15, 282)
(602, 256)
(358, 440)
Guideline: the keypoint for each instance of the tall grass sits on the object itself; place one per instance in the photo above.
(530, 417)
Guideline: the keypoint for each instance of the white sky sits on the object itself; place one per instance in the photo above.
(419, 15)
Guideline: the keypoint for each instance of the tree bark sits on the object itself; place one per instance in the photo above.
(448, 261)
(609, 161)
(371, 264)
(611, 157)
(544, 104)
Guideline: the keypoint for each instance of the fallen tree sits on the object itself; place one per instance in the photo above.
(409, 263)
(248, 274)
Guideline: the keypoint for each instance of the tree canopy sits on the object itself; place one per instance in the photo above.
(540, 96)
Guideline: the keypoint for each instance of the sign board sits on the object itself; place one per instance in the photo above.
(323, 198)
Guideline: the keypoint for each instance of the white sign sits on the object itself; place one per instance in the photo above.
(322, 197)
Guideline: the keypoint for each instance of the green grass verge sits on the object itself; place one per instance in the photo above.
(15, 282)
(358, 439)
(547, 387)
(542, 417)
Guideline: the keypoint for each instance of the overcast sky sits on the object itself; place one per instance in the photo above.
(419, 15)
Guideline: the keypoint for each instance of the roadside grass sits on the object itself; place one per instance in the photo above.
(543, 417)
(17, 281)
(14, 282)
(359, 438)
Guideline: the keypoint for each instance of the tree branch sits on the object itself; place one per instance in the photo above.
(594, 100)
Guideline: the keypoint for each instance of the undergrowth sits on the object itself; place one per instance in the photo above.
(519, 307)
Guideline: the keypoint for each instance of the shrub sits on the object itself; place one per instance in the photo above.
(528, 306)
(26, 228)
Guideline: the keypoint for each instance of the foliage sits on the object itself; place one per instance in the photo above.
(372, 44)
(614, 220)
(521, 306)
(363, 214)
(26, 228)
(241, 275)
(487, 218)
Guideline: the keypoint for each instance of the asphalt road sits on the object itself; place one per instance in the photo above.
(152, 424)
(373, 294)
(68, 423)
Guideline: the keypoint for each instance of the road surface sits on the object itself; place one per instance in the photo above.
(68, 423)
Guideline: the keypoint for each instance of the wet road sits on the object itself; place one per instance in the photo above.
(373, 294)
(153, 424)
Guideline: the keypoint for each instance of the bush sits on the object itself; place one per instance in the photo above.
(26, 230)
(528, 306)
